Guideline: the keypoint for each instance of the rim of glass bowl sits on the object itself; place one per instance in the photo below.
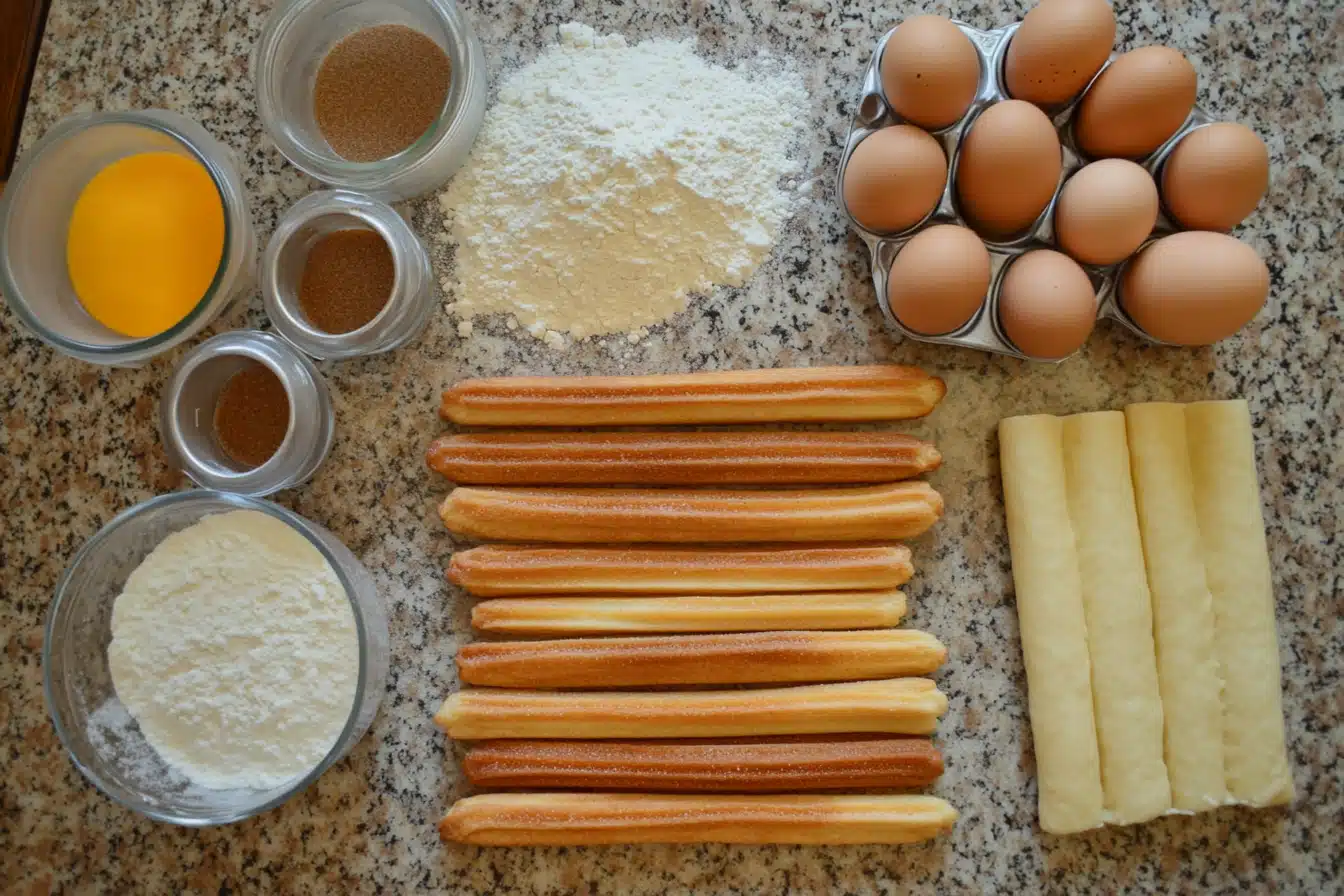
(240, 502)
(149, 345)
(332, 170)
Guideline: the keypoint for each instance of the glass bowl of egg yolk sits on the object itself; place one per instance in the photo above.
(123, 234)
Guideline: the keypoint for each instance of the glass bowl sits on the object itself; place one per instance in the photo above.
(101, 737)
(294, 41)
(35, 218)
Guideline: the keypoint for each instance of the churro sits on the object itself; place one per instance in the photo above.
(624, 515)
(510, 569)
(580, 819)
(700, 613)
(678, 660)
(743, 765)
(892, 706)
(874, 392)
(680, 458)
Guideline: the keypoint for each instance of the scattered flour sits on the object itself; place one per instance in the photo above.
(611, 181)
(234, 648)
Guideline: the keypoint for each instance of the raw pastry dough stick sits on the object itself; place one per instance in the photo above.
(1183, 625)
(583, 819)
(1119, 615)
(692, 613)
(1236, 565)
(1051, 619)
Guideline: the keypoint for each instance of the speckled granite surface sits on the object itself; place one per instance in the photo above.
(78, 444)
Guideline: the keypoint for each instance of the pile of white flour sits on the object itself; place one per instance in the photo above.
(234, 647)
(610, 181)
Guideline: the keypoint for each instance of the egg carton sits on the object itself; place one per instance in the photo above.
(983, 331)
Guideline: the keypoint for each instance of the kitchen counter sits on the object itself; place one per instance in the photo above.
(78, 444)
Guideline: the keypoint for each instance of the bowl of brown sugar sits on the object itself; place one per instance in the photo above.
(381, 96)
(345, 276)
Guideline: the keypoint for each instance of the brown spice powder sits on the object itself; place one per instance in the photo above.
(379, 90)
(252, 415)
(347, 279)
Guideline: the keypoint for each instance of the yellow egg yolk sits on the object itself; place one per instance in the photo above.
(146, 236)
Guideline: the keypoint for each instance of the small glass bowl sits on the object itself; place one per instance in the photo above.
(103, 741)
(313, 217)
(187, 414)
(297, 37)
(35, 217)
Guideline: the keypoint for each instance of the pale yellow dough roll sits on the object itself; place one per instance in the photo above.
(1125, 695)
(1187, 663)
(1236, 565)
(1053, 628)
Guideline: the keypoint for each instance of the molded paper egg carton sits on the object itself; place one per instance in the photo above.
(983, 331)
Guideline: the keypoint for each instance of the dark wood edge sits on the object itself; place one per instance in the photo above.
(21, 26)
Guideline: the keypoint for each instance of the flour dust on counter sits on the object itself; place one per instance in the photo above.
(612, 181)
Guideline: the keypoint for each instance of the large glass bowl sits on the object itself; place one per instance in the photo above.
(104, 742)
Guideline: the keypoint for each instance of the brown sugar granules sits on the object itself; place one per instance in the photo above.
(347, 279)
(379, 90)
(252, 415)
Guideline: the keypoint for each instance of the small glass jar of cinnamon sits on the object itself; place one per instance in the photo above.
(245, 412)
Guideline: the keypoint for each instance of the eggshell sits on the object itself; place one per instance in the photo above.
(1046, 305)
(1139, 101)
(938, 280)
(1060, 45)
(1215, 176)
(930, 71)
(1008, 168)
(1194, 288)
(894, 178)
(1105, 211)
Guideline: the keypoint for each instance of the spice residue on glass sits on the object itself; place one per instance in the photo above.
(347, 279)
(379, 90)
(252, 415)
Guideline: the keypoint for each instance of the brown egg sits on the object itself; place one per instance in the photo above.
(1194, 288)
(1136, 104)
(1059, 47)
(1105, 211)
(930, 71)
(938, 281)
(1008, 168)
(1215, 176)
(1047, 306)
(894, 178)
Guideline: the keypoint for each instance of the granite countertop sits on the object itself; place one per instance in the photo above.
(78, 444)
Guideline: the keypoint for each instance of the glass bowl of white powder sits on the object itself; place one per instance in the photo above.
(208, 656)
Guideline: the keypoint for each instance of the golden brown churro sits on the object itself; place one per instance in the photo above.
(511, 569)
(744, 765)
(680, 458)
(675, 660)
(624, 515)
(875, 392)
(892, 706)
(701, 613)
(579, 819)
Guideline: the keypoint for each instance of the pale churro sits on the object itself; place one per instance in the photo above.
(538, 615)
(741, 765)
(875, 392)
(625, 515)
(510, 569)
(680, 458)
(678, 660)
(892, 706)
(580, 819)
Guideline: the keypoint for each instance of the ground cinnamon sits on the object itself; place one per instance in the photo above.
(379, 90)
(252, 415)
(347, 279)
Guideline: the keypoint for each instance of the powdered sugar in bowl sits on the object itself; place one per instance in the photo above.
(176, 753)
